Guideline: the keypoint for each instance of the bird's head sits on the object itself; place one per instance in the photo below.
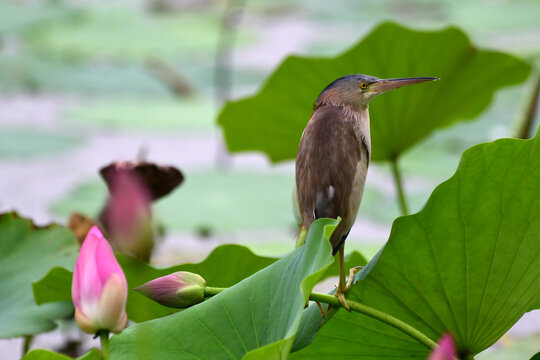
(357, 90)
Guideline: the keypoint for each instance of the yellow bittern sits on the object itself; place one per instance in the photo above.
(334, 155)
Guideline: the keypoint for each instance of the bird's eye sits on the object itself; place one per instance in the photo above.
(363, 86)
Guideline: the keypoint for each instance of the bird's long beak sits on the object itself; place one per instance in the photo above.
(385, 85)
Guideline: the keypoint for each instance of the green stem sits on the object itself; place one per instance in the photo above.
(104, 337)
(378, 315)
(27, 343)
(525, 129)
(399, 187)
(211, 291)
(363, 309)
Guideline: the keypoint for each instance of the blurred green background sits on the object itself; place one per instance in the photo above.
(84, 83)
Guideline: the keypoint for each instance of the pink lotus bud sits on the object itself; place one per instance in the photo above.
(445, 350)
(99, 287)
(181, 289)
(127, 215)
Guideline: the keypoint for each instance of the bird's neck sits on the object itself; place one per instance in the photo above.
(358, 116)
(360, 120)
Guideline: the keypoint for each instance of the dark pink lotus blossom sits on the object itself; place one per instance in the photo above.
(99, 287)
(181, 289)
(445, 350)
(127, 215)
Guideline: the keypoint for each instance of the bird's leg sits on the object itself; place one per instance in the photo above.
(342, 286)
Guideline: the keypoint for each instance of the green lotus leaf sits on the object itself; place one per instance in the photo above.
(26, 254)
(272, 121)
(224, 267)
(467, 263)
(40, 354)
(255, 319)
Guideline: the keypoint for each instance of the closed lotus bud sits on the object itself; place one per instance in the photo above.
(445, 350)
(181, 289)
(99, 287)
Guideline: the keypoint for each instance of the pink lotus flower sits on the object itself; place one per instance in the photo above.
(127, 215)
(445, 350)
(181, 289)
(99, 287)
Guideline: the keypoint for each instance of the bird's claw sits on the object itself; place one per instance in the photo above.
(341, 290)
(340, 294)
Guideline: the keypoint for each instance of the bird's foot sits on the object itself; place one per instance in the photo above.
(340, 294)
(341, 290)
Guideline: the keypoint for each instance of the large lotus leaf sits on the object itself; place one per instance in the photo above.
(26, 254)
(55, 286)
(40, 354)
(467, 263)
(257, 318)
(224, 267)
(272, 121)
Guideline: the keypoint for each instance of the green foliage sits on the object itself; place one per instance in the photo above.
(125, 34)
(239, 200)
(259, 201)
(16, 144)
(255, 319)
(55, 286)
(36, 73)
(351, 260)
(273, 120)
(39, 354)
(232, 201)
(26, 253)
(135, 113)
(467, 263)
(16, 17)
(224, 267)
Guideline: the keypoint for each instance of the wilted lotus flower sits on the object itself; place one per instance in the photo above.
(159, 180)
(181, 289)
(445, 350)
(99, 287)
(127, 215)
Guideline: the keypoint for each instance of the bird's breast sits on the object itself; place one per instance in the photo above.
(331, 167)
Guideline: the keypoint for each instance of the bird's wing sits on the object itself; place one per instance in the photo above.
(327, 170)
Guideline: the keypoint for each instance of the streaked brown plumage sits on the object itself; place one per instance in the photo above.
(329, 149)
(334, 154)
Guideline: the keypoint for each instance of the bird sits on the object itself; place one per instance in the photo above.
(334, 154)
